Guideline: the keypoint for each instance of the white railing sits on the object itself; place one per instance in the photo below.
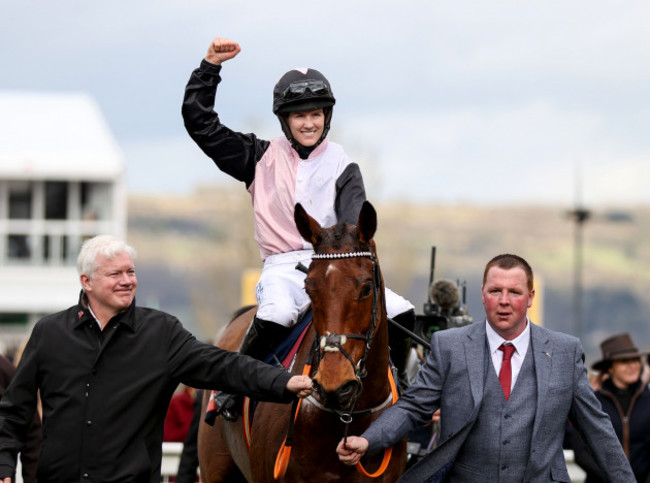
(576, 473)
(171, 456)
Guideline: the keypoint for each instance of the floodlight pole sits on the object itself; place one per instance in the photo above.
(580, 217)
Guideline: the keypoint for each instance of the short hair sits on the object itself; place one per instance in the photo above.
(107, 246)
(508, 261)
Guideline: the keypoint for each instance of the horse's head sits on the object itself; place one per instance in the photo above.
(346, 291)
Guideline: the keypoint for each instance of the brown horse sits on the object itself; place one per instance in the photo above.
(347, 349)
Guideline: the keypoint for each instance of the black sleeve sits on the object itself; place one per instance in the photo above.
(233, 152)
(190, 457)
(350, 194)
(31, 449)
(204, 366)
(585, 460)
(18, 432)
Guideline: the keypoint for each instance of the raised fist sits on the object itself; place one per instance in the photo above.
(222, 49)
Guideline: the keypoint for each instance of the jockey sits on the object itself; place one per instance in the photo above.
(301, 167)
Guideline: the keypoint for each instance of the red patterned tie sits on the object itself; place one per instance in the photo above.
(505, 375)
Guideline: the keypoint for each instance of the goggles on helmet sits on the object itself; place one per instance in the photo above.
(297, 89)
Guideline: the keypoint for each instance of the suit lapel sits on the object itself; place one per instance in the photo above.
(474, 346)
(543, 354)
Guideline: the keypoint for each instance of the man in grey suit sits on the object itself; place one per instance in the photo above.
(503, 409)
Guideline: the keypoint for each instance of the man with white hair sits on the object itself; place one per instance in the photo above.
(106, 370)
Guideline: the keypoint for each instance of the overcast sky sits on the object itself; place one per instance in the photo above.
(453, 101)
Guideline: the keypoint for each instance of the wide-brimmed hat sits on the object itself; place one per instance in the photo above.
(615, 348)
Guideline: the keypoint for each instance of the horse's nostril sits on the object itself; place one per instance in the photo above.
(348, 388)
(346, 393)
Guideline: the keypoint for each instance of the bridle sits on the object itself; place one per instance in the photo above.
(332, 342)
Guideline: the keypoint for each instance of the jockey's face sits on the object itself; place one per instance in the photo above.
(306, 126)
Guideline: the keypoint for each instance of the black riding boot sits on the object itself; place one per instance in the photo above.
(400, 345)
(262, 336)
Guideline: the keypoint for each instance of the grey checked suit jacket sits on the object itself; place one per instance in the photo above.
(452, 379)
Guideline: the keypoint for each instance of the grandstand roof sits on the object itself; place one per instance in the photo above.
(55, 136)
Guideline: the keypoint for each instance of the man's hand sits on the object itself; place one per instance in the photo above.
(221, 50)
(6, 480)
(436, 416)
(301, 385)
(351, 450)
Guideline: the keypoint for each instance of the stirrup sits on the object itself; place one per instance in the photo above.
(227, 406)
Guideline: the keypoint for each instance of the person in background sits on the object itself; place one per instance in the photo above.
(189, 462)
(107, 369)
(626, 400)
(303, 167)
(179, 415)
(505, 388)
(32, 447)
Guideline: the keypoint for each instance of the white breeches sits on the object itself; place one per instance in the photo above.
(281, 295)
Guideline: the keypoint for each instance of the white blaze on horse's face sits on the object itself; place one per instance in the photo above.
(330, 269)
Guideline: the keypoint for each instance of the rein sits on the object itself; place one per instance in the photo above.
(332, 342)
(284, 453)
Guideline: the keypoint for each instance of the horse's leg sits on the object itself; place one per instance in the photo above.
(217, 464)
(215, 461)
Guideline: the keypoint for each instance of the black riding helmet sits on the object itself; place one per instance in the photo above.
(303, 89)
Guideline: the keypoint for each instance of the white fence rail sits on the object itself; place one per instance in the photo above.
(171, 456)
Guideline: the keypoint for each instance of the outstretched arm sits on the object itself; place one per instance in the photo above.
(221, 50)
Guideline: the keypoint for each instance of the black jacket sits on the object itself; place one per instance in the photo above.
(632, 429)
(29, 453)
(105, 398)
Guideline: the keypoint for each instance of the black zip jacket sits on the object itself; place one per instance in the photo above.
(632, 429)
(105, 398)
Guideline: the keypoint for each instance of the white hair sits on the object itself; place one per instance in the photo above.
(107, 246)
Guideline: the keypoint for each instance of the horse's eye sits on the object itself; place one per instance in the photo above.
(365, 291)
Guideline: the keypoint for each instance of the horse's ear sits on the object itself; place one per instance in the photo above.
(367, 223)
(307, 226)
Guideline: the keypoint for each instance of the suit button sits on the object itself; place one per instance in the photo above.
(504, 467)
(506, 442)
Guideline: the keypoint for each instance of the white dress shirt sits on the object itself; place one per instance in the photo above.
(521, 343)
